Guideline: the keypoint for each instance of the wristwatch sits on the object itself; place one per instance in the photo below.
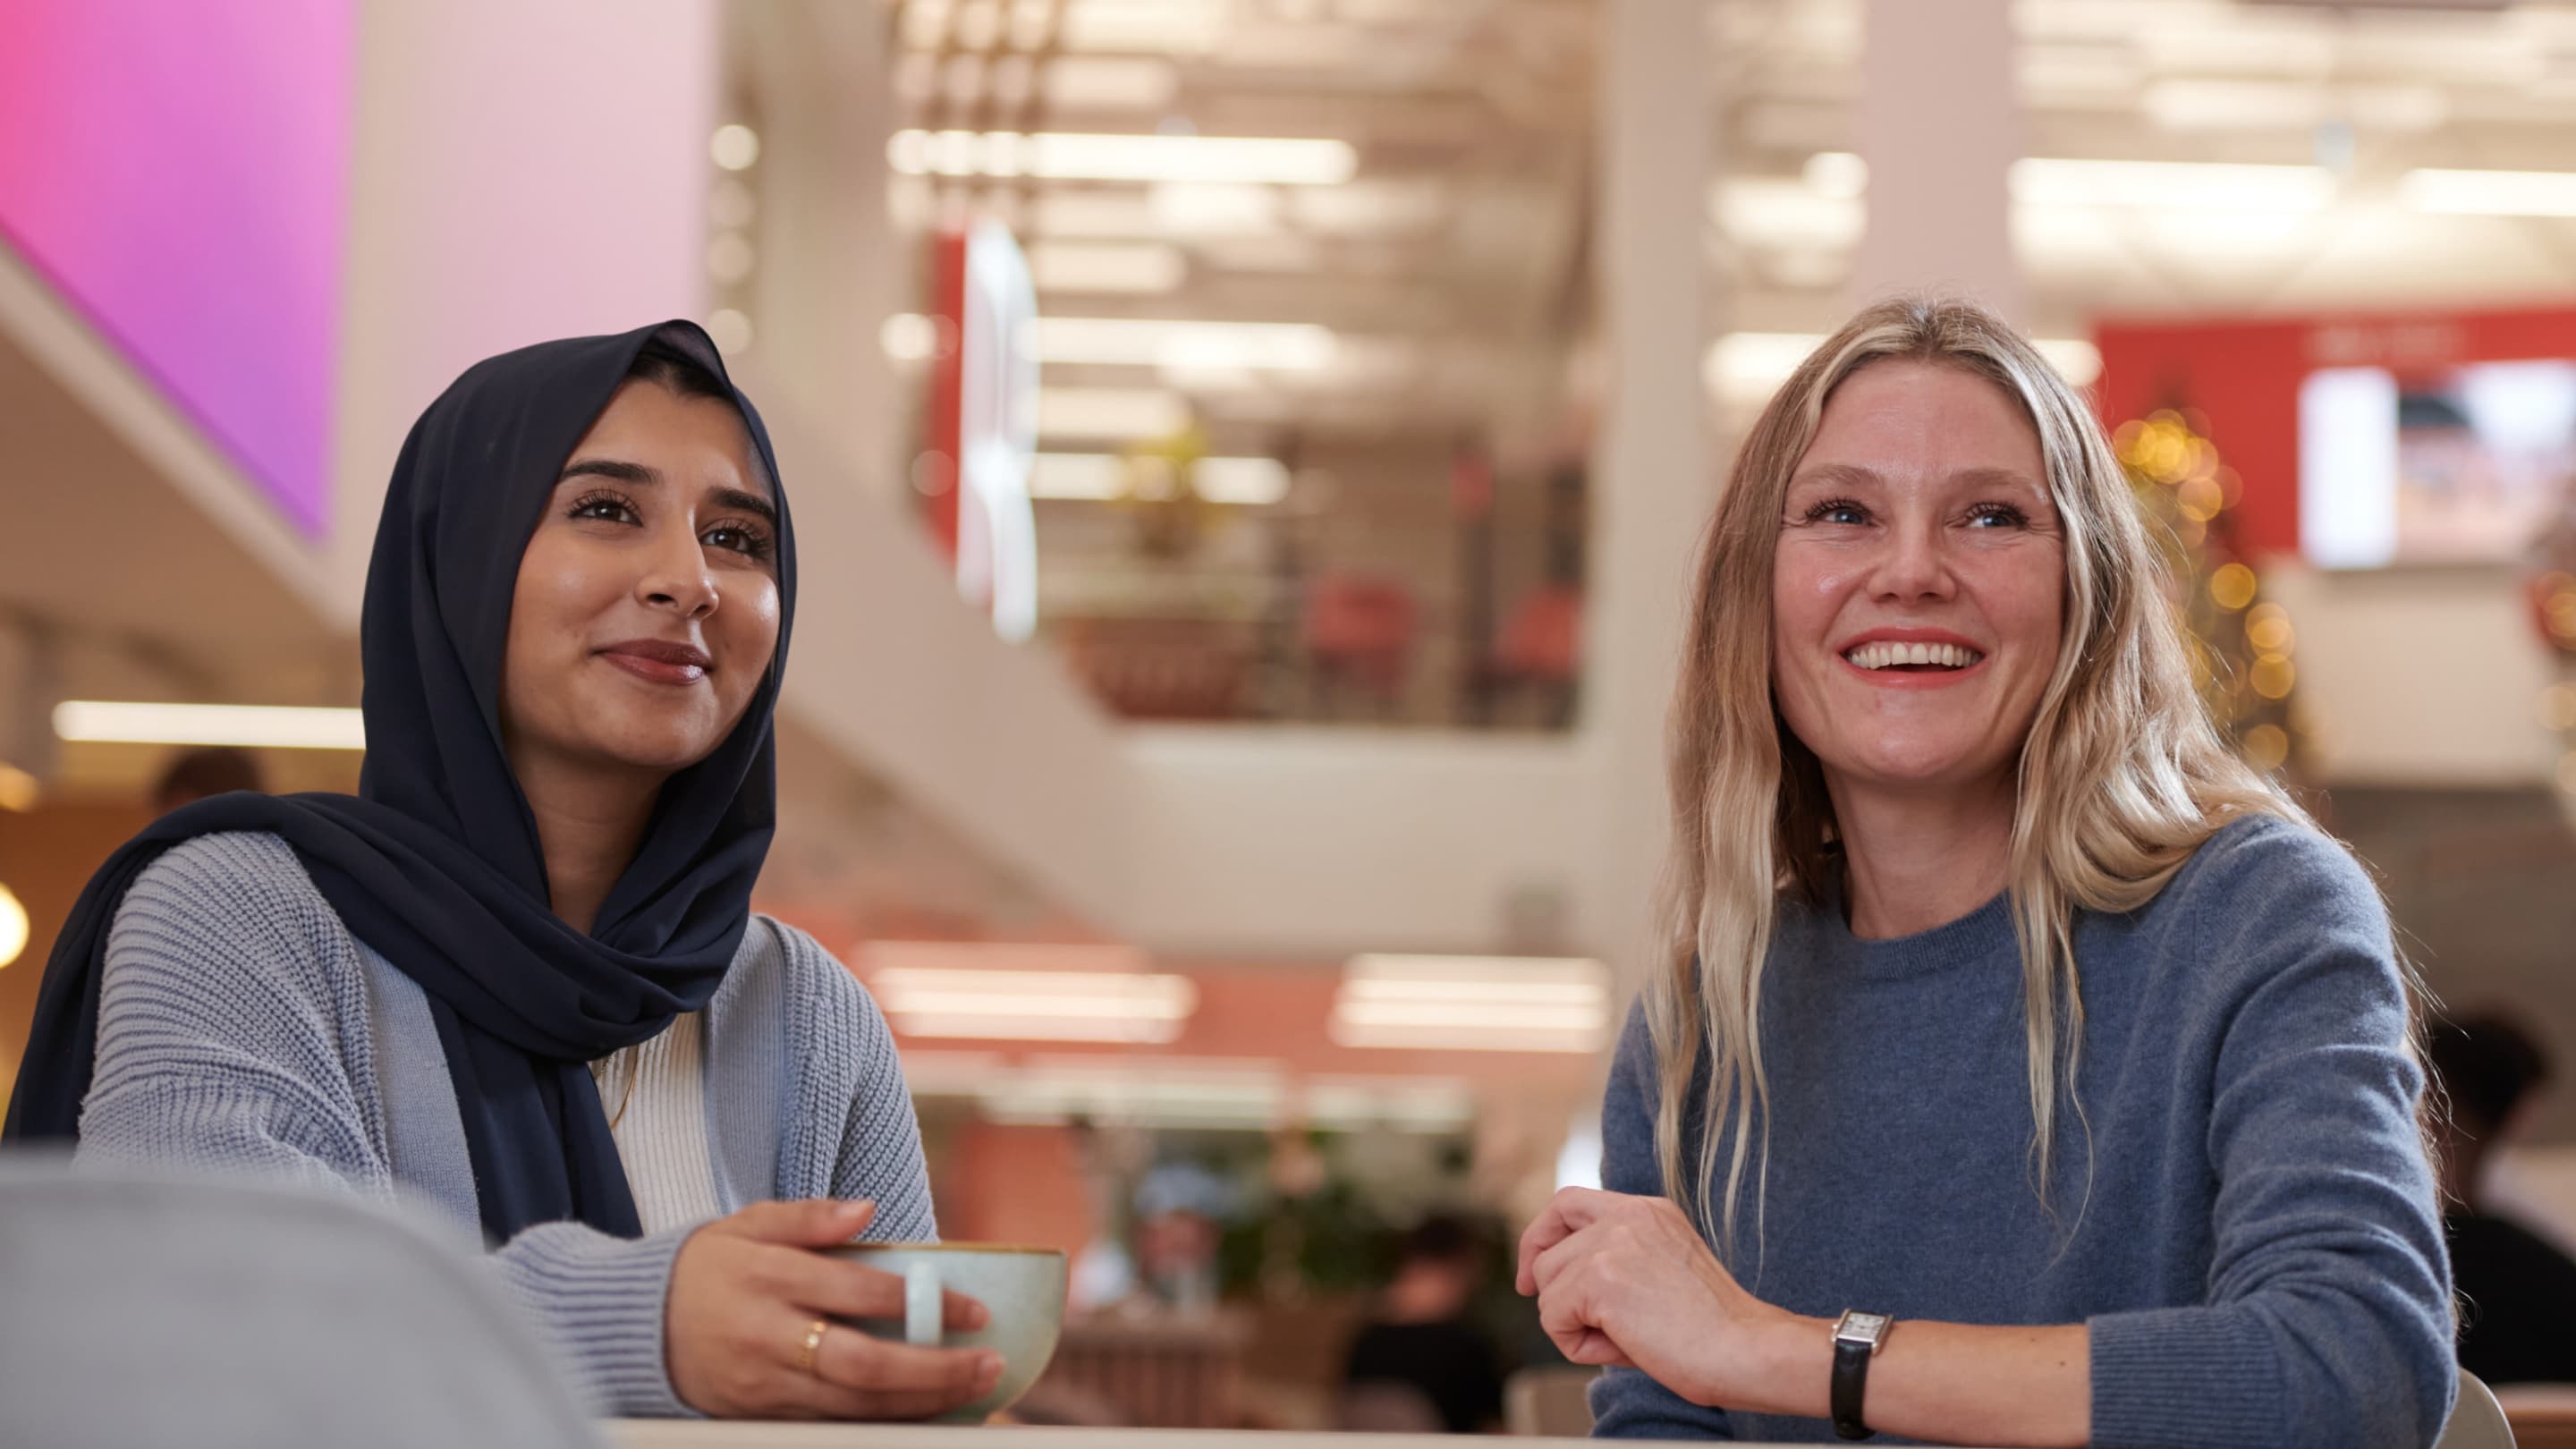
(1857, 1338)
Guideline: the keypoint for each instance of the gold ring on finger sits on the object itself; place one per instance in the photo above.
(813, 1343)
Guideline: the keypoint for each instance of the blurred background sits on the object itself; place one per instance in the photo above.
(1247, 455)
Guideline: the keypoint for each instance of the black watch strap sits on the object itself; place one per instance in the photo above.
(1851, 1382)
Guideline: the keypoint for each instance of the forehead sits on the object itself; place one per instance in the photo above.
(1920, 421)
(694, 439)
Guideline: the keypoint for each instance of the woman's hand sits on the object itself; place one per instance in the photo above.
(1627, 1281)
(745, 1291)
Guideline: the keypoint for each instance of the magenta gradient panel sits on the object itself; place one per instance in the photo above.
(179, 171)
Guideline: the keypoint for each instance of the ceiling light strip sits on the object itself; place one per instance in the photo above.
(249, 726)
(2489, 193)
(1074, 156)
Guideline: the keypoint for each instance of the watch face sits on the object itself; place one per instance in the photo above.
(1859, 1327)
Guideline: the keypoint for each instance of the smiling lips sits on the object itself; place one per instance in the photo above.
(1912, 657)
(659, 660)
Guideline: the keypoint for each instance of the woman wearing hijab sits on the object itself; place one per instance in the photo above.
(517, 974)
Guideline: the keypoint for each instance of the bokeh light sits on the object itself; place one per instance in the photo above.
(2232, 588)
(2267, 747)
(2558, 707)
(734, 147)
(2273, 676)
(13, 927)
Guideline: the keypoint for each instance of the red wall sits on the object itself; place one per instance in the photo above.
(2243, 377)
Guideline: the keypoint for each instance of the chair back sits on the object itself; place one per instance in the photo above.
(2477, 1420)
(231, 1315)
(1553, 1402)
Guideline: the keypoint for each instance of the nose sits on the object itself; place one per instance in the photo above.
(676, 578)
(1914, 563)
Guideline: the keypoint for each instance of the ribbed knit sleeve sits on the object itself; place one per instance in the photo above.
(234, 1036)
(221, 1039)
(599, 1301)
(2327, 1316)
(852, 1109)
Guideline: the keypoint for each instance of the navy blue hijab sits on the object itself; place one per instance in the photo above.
(435, 861)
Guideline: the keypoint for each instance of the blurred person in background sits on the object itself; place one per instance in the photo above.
(202, 774)
(2026, 1068)
(2516, 1288)
(517, 975)
(1180, 1209)
(1421, 1336)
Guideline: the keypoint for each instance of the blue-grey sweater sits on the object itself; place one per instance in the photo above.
(243, 1029)
(2258, 1258)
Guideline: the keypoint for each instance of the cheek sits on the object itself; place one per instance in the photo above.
(1807, 593)
(748, 620)
(562, 587)
(2026, 606)
(1807, 596)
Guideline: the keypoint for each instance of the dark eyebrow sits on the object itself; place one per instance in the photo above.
(617, 468)
(644, 477)
(751, 503)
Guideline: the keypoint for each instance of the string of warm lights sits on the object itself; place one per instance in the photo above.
(2553, 602)
(2243, 660)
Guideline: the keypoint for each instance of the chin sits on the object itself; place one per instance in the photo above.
(1930, 767)
(668, 746)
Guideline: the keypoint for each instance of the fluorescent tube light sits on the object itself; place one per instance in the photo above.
(1023, 995)
(1250, 482)
(1840, 174)
(1463, 1039)
(1155, 342)
(1176, 1091)
(2051, 181)
(1473, 1003)
(1110, 413)
(1076, 156)
(1127, 83)
(1146, 267)
(2489, 193)
(250, 726)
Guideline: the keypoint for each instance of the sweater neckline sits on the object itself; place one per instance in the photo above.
(1969, 940)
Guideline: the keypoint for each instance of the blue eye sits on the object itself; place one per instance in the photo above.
(1839, 511)
(1997, 515)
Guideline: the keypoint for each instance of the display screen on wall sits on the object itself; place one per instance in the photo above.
(179, 173)
(2464, 464)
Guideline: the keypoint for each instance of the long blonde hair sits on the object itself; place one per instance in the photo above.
(2122, 776)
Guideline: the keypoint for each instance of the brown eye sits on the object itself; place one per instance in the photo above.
(736, 539)
(607, 507)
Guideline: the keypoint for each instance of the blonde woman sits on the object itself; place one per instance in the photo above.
(2027, 1069)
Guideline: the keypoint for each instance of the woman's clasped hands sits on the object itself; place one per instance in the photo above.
(1626, 1281)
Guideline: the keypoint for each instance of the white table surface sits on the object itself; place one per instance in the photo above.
(736, 1434)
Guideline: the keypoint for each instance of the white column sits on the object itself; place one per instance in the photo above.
(1939, 123)
(832, 266)
(1652, 488)
(30, 687)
